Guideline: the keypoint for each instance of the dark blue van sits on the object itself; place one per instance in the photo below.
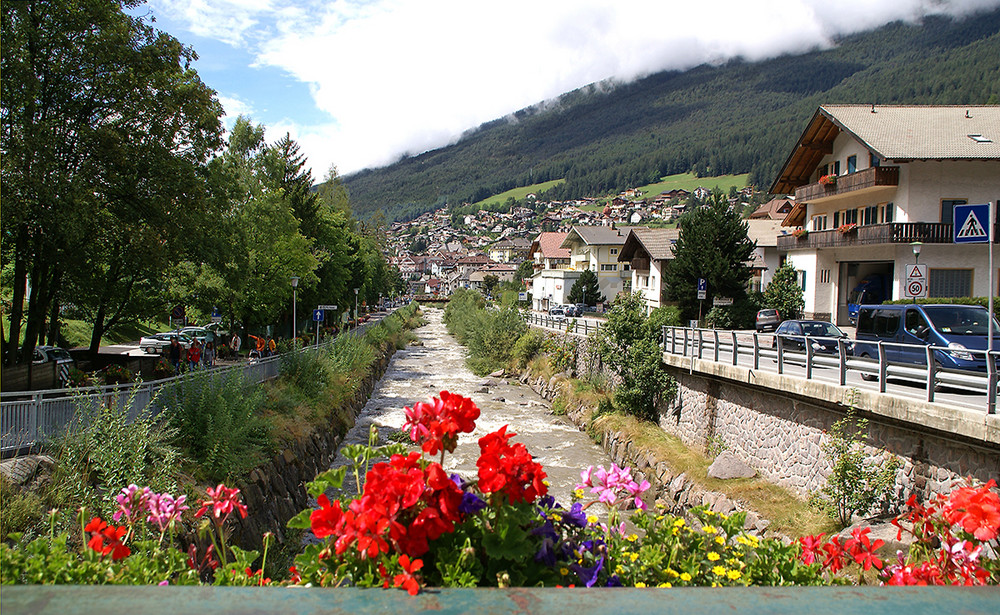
(955, 329)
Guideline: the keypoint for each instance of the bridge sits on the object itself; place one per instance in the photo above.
(774, 406)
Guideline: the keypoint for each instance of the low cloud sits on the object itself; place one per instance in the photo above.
(398, 76)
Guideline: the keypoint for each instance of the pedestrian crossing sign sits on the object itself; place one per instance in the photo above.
(971, 223)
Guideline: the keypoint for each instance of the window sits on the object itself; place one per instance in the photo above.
(886, 322)
(852, 164)
(948, 213)
(614, 251)
(949, 283)
(800, 276)
(836, 167)
(609, 267)
(914, 321)
(824, 276)
(873, 160)
(890, 212)
(626, 267)
(836, 219)
(819, 222)
(870, 215)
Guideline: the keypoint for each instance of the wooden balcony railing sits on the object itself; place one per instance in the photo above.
(872, 177)
(872, 234)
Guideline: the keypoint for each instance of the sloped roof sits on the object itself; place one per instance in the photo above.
(597, 235)
(549, 245)
(764, 232)
(897, 133)
(772, 209)
(657, 242)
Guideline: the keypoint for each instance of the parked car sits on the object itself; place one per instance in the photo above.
(196, 333)
(768, 320)
(557, 313)
(52, 354)
(952, 330)
(158, 342)
(822, 336)
(572, 311)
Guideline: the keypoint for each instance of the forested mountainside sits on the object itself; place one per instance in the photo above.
(740, 117)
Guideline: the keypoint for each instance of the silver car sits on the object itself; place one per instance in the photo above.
(158, 342)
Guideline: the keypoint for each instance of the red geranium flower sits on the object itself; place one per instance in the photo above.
(977, 510)
(509, 469)
(327, 520)
(436, 425)
(100, 532)
(223, 501)
(834, 561)
(407, 580)
(812, 546)
(863, 550)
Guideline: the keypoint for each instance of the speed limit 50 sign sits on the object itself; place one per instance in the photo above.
(916, 282)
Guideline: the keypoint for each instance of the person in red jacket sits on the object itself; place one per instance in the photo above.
(194, 355)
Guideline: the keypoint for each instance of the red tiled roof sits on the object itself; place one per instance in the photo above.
(549, 244)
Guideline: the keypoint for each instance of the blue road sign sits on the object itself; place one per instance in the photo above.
(702, 284)
(971, 223)
(318, 315)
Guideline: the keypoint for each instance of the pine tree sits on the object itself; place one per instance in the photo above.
(784, 294)
(713, 245)
(586, 290)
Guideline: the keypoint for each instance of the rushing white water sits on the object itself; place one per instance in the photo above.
(419, 372)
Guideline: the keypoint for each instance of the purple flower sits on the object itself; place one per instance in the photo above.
(132, 501)
(164, 510)
(588, 576)
(575, 516)
(471, 503)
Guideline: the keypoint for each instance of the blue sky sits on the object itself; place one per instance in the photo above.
(360, 83)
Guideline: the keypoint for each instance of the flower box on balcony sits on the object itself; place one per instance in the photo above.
(800, 233)
(847, 229)
(828, 181)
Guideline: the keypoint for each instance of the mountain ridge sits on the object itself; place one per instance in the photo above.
(737, 117)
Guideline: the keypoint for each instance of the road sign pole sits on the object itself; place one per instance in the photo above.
(990, 361)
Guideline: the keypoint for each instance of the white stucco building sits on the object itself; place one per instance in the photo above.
(871, 180)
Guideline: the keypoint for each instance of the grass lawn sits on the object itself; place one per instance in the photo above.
(77, 332)
(687, 181)
(518, 193)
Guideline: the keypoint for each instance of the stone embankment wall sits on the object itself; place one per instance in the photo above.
(782, 436)
(275, 492)
(673, 489)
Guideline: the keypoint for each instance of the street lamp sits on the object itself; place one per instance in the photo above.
(916, 245)
(356, 307)
(295, 286)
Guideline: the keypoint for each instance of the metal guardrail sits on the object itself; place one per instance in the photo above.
(734, 347)
(28, 418)
(579, 326)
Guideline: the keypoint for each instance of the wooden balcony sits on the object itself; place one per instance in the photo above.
(872, 234)
(868, 180)
(640, 264)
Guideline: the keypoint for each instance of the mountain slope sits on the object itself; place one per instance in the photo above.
(736, 118)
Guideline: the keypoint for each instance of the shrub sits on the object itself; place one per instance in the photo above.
(117, 374)
(855, 485)
(306, 370)
(111, 453)
(526, 347)
(219, 424)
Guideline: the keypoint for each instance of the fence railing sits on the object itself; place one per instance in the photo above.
(769, 351)
(28, 418)
(578, 326)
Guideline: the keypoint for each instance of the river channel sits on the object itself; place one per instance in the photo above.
(437, 363)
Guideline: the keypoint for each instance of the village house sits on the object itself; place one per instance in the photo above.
(553, 278)
(870, 181)
(647, 253)
(596, 248)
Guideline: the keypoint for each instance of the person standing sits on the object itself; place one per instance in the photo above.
(235, 344)
(208, 357)
(174, 355)
(194, 355)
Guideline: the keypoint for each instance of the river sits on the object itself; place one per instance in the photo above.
(419, 372)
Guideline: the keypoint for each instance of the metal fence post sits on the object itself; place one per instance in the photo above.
(883, 367)
(842, 356)
(735, 348)
(756, 351)
(930, 373)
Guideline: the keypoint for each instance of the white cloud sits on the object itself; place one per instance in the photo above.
(234, 107)
(410, 75)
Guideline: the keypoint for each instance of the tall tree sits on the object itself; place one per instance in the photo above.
(586, 289)
(784, 294)
(103, 126)
(713, 245)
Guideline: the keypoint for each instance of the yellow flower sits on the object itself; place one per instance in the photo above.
(563, 571)
(632, 538)
(578, 493)
(685, 576)
(709, 529)
(679, 523)
(672, 572)
(633, 556)
(719, 571)
(713, 556)
(640, 584)
(592, 519)
(741, 539)
(734, 574)
(720, 540)
(556, 516)
(664, 585)
(619, 569)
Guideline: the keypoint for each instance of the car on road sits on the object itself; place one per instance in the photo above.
(572, 311)
(768, 320)
(157, 343)
(51, 354)
(822, 336)
(557, 313)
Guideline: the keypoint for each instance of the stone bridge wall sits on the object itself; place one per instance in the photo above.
(781, 434)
